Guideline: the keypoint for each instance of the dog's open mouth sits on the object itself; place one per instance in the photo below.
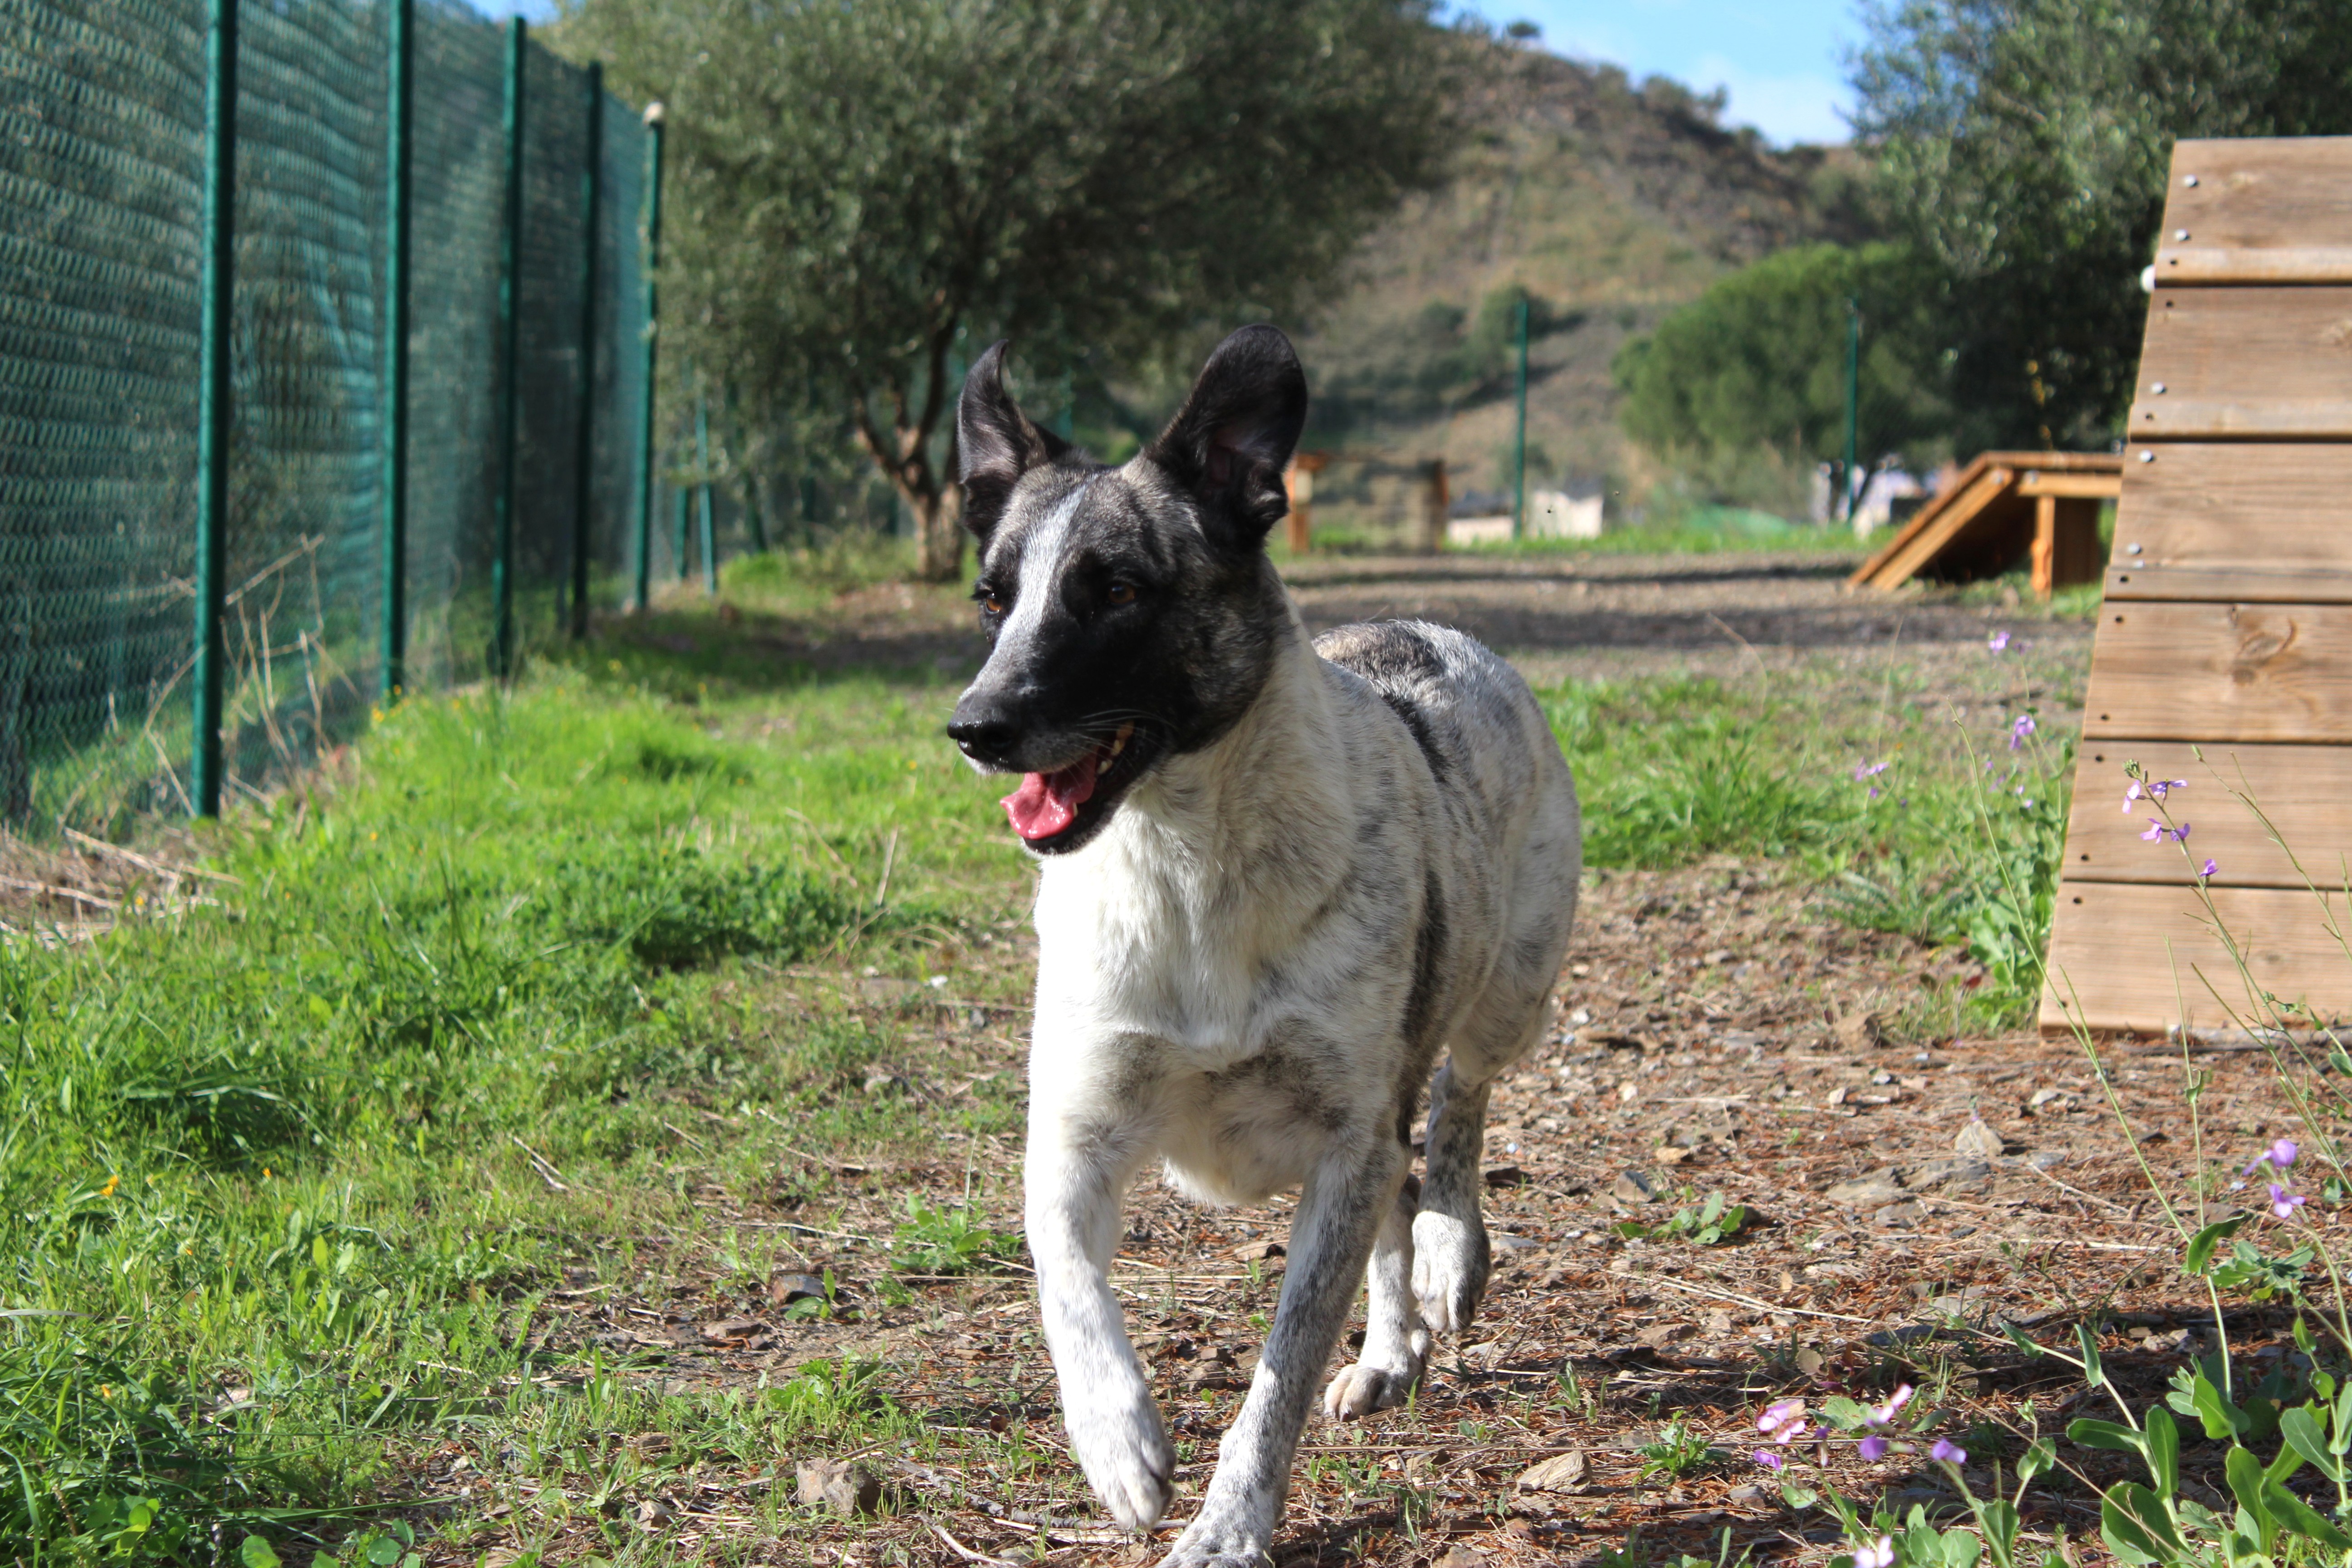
(1048, 806)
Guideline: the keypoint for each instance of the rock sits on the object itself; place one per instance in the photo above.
(1881, 1186)
(1860, 1031)
(1719, 1322)
(1502, 1241)
(1837, 1095)
(1658, 1336)
(786, 1289)
(844, 1488)
(1259, 1252)
(652, 1513)
(1561, 1473)
(1899, 1216)
(1460, 1556)
(1745, 1493)
(728, 1328)
(1505, 1176)
(1633, 1187)
(1959, 1174)
(1670, 1156)
(2044, 1159)
(1979, 1139)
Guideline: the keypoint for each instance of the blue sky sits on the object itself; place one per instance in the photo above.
(1781, 59)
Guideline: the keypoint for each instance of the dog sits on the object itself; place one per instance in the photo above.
(1278, 876)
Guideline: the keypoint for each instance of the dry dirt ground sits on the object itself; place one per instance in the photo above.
(1715, 1033)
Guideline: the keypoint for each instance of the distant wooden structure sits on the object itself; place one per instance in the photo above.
(2041, 507)
(1425, 531)
(2227, 624)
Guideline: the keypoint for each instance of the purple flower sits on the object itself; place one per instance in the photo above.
(2131, 793)
(2211, 869)
(2158, 788)
(1769, 1459)
(2178, 835)
(2155, 830)
(2283, 1202)
(1884, 1414)
(2019, 730)
(1872, 1447)
(1878, 1554)
(1868, 771)
(1876, 791)
(1784, 1422)
(1947, 1452)
(1997, 642)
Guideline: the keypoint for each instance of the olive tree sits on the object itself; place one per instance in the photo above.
(861, 193)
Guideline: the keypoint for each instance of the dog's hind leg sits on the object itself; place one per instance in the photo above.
(1346, 1195)
(1450, 1257)
(1395, 1344)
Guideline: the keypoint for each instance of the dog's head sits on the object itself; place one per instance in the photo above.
(1130, 613)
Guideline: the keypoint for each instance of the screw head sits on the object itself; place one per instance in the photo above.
(2181, 234)
(2148, 457)
(2131, 549)
(2189, 179)
(2158, 389)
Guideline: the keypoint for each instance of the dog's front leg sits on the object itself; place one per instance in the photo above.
(1346, 1197)
(1076, 1177)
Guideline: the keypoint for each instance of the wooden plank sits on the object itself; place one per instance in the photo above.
(2282, 584)
(2181, 264)
(2109, 955)
(2305, 791)
(2096, 487)
(2246, 363)
(1920, 522)
(2222, 672)
(1967, 510)
(2267, 193)
(2208, 521)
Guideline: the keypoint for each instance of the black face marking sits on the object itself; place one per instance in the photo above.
(1131, 614)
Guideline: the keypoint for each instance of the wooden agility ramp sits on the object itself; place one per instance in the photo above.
(2227, 623)
(2042, 507)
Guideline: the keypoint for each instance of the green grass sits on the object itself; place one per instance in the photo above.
(288, 1176)
(269, 1156)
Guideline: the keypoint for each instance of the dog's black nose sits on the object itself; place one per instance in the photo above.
(985, 729)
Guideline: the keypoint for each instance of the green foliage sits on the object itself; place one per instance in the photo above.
(865, 194)
(2019, 848)
(1711, 1222)
(944, 1240)
(2023, 145)
(1677, 1450)
(1759, 362)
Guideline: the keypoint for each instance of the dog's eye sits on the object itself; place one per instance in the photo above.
(1121, 594)
(990, 601)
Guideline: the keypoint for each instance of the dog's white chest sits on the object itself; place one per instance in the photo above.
(1119, 955)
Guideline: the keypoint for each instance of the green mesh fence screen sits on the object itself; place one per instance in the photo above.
(101, 238)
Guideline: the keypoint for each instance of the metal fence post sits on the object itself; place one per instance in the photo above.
(702, 495)
(649, 345)
(1519, 437)
(509, 354)
(400, 99)
(214, 395)
(592, 201)
(1852, 406)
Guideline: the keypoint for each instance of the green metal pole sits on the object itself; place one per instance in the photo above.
(214, 406)
(583, 448)
(1852, 402)
(510, 357)
(702, 495)
(1520, 437)
(400, 99)
(648, 342)
(682, 498)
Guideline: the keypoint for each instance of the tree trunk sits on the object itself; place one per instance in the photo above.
(939, 535)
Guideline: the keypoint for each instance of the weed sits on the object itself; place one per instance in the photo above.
(1677, 1450)
(1707, 1225)
(947, 1240)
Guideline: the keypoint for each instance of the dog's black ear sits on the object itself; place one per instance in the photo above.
(996, 443)
(1231, 441)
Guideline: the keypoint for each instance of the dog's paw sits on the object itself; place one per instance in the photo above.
(1449, 1269)
(1362, 1388)
(1217, 1539)
(1125, 1452)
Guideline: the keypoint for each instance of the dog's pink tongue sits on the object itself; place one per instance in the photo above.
(1047, 802)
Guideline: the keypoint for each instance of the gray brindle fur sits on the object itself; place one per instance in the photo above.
(1305, 868)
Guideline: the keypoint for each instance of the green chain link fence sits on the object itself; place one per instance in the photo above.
(103, 234)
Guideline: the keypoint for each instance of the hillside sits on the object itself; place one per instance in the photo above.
(1612, 202)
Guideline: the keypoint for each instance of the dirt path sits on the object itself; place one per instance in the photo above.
(1713, 1035)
